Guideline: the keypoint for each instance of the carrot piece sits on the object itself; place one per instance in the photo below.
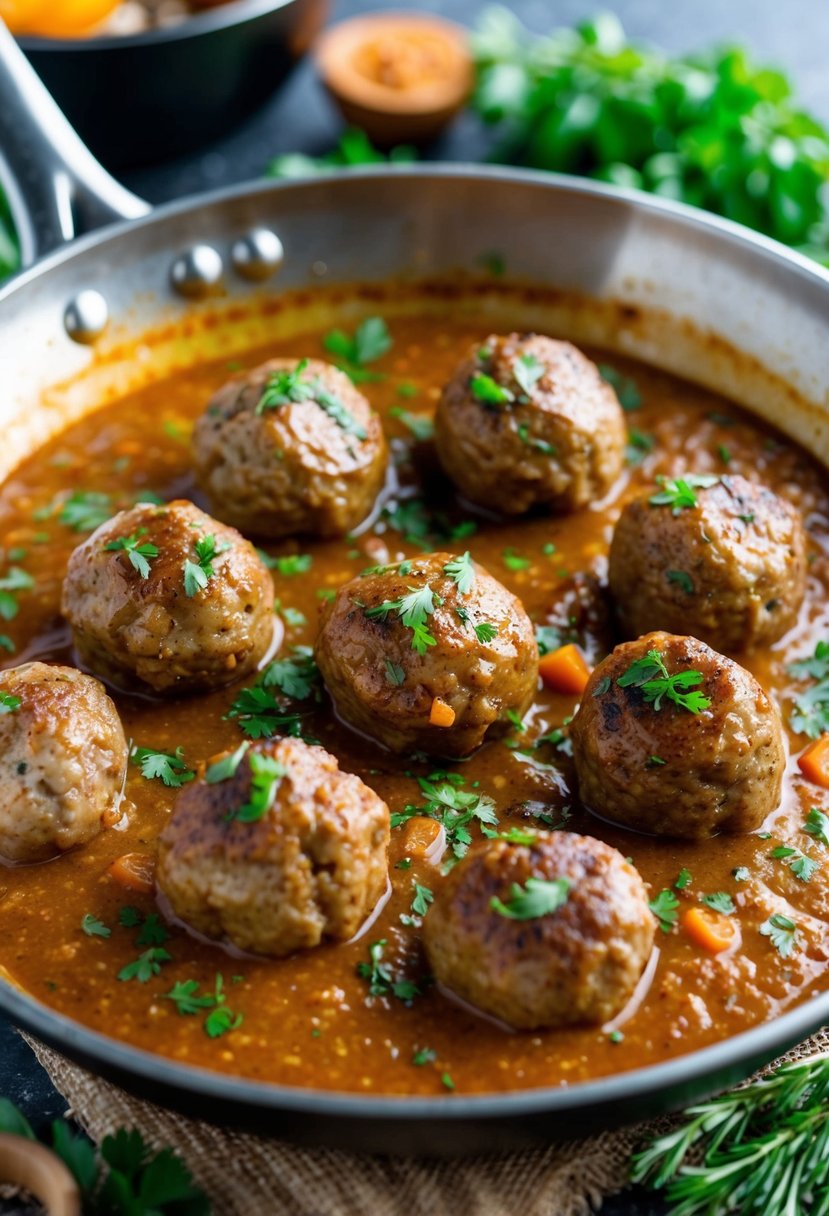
(135, 871)
(709, 929)
(814, 762)
(564, 670)
(420, 836)
(441, 714)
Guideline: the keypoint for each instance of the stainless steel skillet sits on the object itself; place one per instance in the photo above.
(678, 288)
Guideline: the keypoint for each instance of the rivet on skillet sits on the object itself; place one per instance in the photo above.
(86, 316)
(258, 254)
(197, 271)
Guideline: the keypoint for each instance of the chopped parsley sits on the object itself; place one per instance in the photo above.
(296, 677)
(454, 808)
(629, 396)
(260, 715)
(198, 573)
(395, 674)
(527, 370)
(538, 897)
(424, 528)
(9, 703)
(817, 825)
(665, 907)
(488, 391)
(330, 404)
(422, 426)
(423, 896)
(638, 445)
(13, 581)
(187, 1000)
(425, 1055)
(289, 564)
(86, 510)
(810, 715)
(266, 773)
(782, 932)
(462, 572)
(224, 769)
(514, 561)
(140, 553)
(485, 632)
(741, 873)
(171, 768)
(381, 982)
(146, 965)
(678, 492)
(540, 445)
(801, 865)
(413, 610)
(683, 879)
(650, 675)
(720, 901)
(682, 580)
(370, 341)
(284, 387)
(93, 927)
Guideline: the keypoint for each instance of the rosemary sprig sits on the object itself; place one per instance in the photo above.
(762, 1149)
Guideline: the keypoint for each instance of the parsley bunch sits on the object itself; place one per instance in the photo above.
(650, 675)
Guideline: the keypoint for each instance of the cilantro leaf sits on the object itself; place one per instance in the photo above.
(462, 572)
(289, 564)
(650, 675)
(146, 965)
(93, 927)
(678, 492)
(720, 901)
(140, 553)
(296, 677)
(782, 932)
(538, 897)
(171, 768)
(810, 715)
(198, 573)
(261, 716)
(665, 907)
(485, 632)
(488, 391)
(266, 773)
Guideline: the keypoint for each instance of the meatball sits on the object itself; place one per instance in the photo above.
(428, 654)
(63, 760)
(528, 422)
(730, 567)
(164, 598)
(650, 755)
(283, 852)
(291, 446)
(577, 964)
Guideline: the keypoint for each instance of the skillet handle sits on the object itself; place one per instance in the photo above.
(56, 188)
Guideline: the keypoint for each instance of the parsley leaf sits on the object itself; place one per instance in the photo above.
(527, 370)
(395, 673)
(683, 879)
(485, 632)
(782, 933)
(682, 579)
(170, 768)
(650, 675)
(224, 769)
(678, 492)
(13, 581)
(86, 510)
(296, 677)
(453, 807)
(381, 982)
(488, 391)
(461, 572)
(289, 564)
(720, 901)
(421, 426)
(810, 715)
(514, 561)
(413, 610)
(802, 866)
(538, 897)
(371, 340)
(266, 773)
(93, 927)
(140, 553)
(185, 996)
(197, 574)
(665, 907)
(9, 703)
(285, 386)
(629, 396)
(260, 715)
(146, 965)
(817, 825)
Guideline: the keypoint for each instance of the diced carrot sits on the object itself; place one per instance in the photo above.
(564, 670)
(711, 930)
(441, 714)
(135, 871)
(814, 762)
(420, 836)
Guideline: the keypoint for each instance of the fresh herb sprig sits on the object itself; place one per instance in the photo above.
(538, 897)
(456, 809)
(381, 981)
(198, 573)
(650, 676)
(141, 553)
(810, 715)
(169, 767)
(758, 1150)
(678, 493)
(413, 610)
(220, 1019)
(369, 342)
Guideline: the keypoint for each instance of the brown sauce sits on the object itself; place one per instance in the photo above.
(308, 1020)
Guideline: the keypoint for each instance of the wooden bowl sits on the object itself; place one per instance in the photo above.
(401, 77)
(35, 1169)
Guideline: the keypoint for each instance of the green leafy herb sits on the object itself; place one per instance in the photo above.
(540, 445)
(260, 715)
(801, 865)
(424, 1056)
(488, 391)
(514, 561)
(93, 927)
(817, 825)
(629, 396)
(153, 932)
(682, 579)
(224, 769)
(13, 580)
(720, 901)
(423, 896)
(140, 553)
(296, 677)
(665, 907)
(381, 982)
(678, 492)
(9, 703)
(650, 675)
(289, 564)
(538, 897)
(335, 409)
(782, 932)
(810, 715)
(421, 426)
(171, 768)
(284, 387)
(485, 632)
(760, 1150)
(129, 917)
(395, 673)
(370, 341)
(462, 572)
(683, 879)
(86, 510)
(146, 965)
(638, 445)
(741, 873)
(198, 573)
(265, 777)
(353, 150)
(453, 807)
(527, 370)
(413, 610)
(188, 1001)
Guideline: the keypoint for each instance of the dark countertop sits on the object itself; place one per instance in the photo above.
(792, 35)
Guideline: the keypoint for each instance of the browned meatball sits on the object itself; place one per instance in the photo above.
(166, 598)
(291, 446)
(63, 760)
(426, 655)
(656, 764)
(729, 568)
(280, 854)
(579, 963)
(527, 421)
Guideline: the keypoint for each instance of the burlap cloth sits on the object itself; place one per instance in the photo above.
(245, 1175)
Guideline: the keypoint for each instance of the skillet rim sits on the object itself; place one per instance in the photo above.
(698, 1072)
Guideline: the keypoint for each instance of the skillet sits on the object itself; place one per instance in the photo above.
(682, 290)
